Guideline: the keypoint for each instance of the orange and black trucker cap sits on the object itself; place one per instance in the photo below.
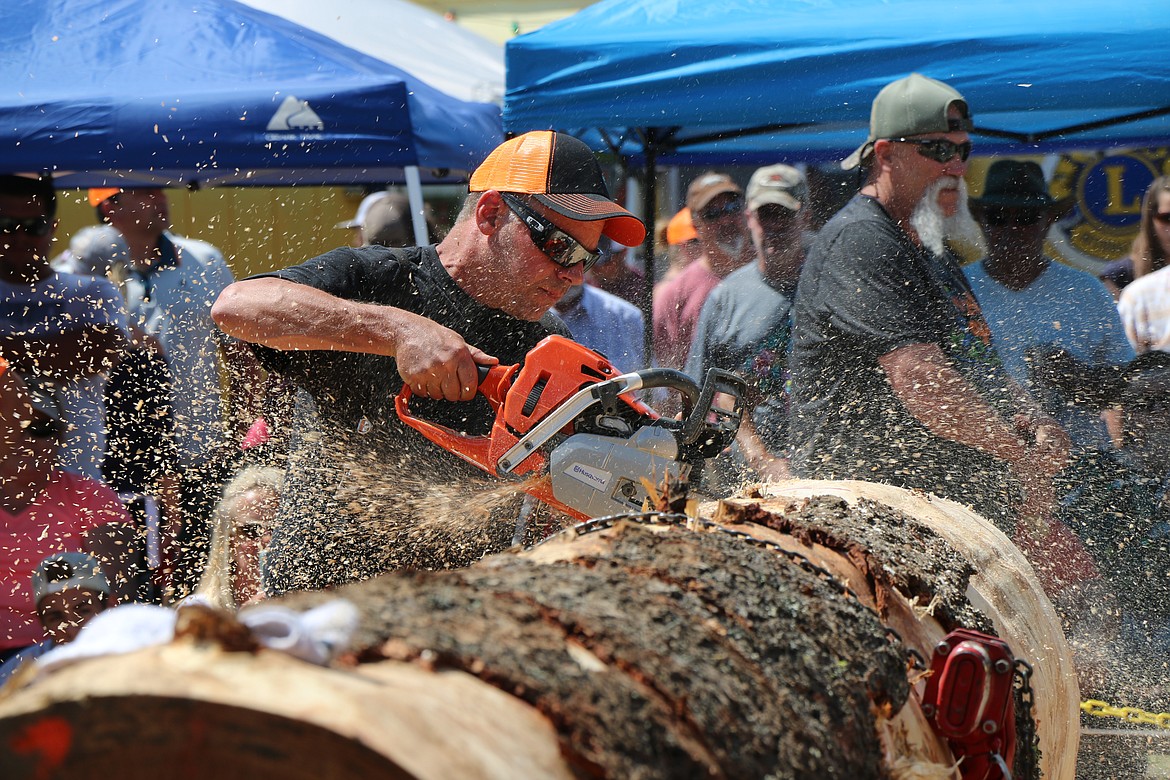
(561, 172)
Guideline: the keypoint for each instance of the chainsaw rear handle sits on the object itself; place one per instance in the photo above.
(521, 395)
(494, 382)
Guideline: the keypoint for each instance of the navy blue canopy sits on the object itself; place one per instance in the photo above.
(188, 92)
(749, 81)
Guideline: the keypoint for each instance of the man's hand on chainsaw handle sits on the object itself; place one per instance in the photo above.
(436, 362)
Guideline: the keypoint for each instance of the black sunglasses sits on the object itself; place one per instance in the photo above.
(557, 245)
(999, 216)
(251, 531)
(43, 427)
(33, 226)
(938, 149)
(712, 213)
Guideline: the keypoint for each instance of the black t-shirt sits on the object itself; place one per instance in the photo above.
(355, 390)
(364, 492)
(867, 290)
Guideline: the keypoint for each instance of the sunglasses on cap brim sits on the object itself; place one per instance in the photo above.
(31, 226)
(557, 245)
(938, 149)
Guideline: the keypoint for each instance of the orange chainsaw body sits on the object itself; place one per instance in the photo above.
(522, 395)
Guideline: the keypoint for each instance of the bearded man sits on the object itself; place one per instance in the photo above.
(894, 375)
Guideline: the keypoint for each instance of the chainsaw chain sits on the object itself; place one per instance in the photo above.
(1027, 761)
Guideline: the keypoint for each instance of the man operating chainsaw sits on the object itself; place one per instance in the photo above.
(365, 493)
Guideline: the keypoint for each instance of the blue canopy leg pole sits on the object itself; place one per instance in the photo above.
(649, 214)
(414, 195)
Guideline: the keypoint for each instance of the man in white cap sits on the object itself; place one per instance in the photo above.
(746, 322)
(894, 375)
(68, 589)
(356, 238)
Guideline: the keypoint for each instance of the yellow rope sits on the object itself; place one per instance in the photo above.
(1101, 709)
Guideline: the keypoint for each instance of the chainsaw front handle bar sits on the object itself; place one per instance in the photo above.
(699, 400)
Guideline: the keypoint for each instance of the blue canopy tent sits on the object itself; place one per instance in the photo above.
(207, 92)
(759, 81)
(743, 81)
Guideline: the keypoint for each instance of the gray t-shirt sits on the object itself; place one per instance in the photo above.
(865, 291)
(745, 327)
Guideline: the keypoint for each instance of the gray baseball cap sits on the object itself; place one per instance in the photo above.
(911, 106)
(780, 184)
(65, 570)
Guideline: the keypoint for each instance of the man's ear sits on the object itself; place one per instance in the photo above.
(882, 150)
(490, 212)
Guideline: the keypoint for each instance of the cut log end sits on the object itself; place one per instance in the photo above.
(147, 737)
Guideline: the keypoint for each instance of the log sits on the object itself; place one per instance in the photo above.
(755, 646)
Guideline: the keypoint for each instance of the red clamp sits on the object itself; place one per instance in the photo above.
(969, 702)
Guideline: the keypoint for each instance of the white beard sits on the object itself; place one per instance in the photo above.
(935, 229)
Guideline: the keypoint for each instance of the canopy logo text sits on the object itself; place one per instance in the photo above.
(294, 120)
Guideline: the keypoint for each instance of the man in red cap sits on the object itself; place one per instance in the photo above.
(351, 326)
(171, 283)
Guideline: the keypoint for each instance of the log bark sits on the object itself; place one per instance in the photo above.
(1003, 587)
(757, 646)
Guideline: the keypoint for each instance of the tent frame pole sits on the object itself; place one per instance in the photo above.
(649, 214)
(414, 195)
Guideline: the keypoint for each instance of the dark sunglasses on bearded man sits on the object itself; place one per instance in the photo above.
(938, 149)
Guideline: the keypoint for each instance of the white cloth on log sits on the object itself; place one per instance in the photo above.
(315, 636)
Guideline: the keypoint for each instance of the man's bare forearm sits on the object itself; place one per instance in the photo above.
(756, 453)
(290, 316)
(941, 399)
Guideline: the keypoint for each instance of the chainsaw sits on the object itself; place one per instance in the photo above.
(567, 413)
